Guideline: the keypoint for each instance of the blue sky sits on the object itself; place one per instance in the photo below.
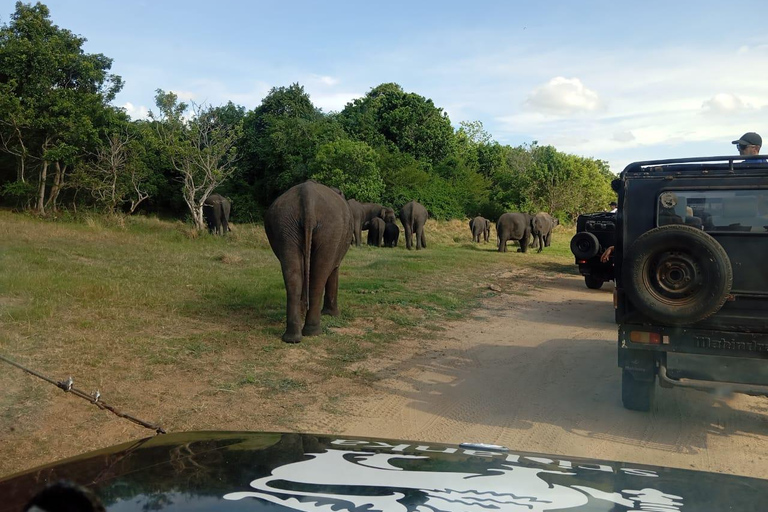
(614, 80)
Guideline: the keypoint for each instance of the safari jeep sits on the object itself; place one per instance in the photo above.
(595, 232)
(691, 262)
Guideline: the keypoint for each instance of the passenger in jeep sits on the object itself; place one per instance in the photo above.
(749, 144)
(606, 254)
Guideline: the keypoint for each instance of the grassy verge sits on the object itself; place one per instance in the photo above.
(181, 325)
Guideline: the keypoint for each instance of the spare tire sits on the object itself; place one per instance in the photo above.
(584, 245)
(677, 274)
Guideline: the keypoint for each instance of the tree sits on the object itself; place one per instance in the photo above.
(280, 140)
(387, 115)
(202, 149)
(52, 96)
(115, 174)
(350, 166)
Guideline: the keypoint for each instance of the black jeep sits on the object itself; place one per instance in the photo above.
(691, 264)
(595, 232)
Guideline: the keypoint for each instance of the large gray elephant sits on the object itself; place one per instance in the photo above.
(216, 210)
(414, 216)
(514, 226)
(391, 234)
(309, 228)
(362, 213)
(376, 232)
(480, 226)
(542, 225)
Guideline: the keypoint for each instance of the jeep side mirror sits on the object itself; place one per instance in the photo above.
(616, 185)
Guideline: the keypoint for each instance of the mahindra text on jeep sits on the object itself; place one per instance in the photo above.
(691, 270)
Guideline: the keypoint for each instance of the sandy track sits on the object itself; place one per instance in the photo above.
(536, 370)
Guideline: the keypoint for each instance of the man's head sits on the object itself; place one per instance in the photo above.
(749, 144)
(613, 205)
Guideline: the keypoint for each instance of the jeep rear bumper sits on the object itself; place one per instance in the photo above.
(708, 385)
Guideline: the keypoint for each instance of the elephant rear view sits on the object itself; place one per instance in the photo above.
(391, 234)
(414, 216)
(216, 210)
(376, 232)
(514, 226)
(309, 228)
(480, 226)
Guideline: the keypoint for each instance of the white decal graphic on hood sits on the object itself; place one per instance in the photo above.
(368, 481)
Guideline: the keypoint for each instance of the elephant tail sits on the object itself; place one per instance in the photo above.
(308, 215)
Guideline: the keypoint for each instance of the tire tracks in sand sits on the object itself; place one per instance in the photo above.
(536, 370)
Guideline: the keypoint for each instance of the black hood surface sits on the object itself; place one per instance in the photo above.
(246, 471)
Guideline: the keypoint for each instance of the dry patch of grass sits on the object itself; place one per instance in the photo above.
(183, 328)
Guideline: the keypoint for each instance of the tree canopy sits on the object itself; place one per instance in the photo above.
(63, 145)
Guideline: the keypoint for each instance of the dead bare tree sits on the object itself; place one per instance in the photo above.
(113, 175)
(202, 149)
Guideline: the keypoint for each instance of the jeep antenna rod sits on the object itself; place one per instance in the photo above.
(95, 398)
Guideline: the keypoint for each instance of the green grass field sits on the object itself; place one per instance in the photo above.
(149, 311)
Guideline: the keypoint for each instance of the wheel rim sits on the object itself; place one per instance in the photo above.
(584, 245)
(674, 277)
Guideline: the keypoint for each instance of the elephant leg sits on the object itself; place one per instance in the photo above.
(217, 219)
(524, 242)
(421, 242)
(408, 236)
(318, 277)
(293, 274)
(548, 239)
(502, 243)
(381, 239)
(358, 234)
(540, 239)
(330, 301)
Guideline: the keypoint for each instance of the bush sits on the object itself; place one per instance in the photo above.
(18, 193)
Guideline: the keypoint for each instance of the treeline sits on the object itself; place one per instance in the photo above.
(63, 145)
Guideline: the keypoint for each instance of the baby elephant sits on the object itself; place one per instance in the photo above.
(542, 225)
(376, 232)
(309, 228)
(391, 234)
(480, 226)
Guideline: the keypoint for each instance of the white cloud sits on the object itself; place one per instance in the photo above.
(563, 96)
(334, 102)
(760, 48)
(325, 80)
(724, 103)
(185, 95)
(623, 136)
(140, 112)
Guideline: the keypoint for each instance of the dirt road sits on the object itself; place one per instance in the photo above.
(536, 370)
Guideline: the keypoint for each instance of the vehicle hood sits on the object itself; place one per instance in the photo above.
(236, 471)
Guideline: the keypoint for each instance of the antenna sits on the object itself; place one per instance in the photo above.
(95, 398)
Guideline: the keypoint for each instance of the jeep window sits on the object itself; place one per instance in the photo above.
(715, 210)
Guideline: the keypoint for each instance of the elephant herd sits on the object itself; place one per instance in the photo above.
(518, 227)
(311, 227)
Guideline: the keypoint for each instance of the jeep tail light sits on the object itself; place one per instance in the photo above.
(652, 338)
(581, 261)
